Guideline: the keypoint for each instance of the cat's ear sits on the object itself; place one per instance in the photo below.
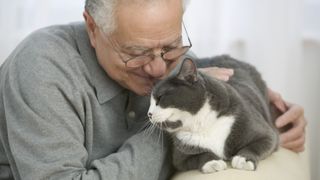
(188, 71)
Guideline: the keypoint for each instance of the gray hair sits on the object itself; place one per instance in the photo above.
(102, 11)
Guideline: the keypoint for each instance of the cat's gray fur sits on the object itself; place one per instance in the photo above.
(244, 96)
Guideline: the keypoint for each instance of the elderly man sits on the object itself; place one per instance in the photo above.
(73, 102)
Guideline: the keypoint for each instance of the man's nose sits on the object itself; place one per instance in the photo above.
(156, 68)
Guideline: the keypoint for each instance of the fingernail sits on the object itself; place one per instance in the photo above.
(278, 124)
(281, 107)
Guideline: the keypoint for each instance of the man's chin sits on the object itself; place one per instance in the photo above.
(141, 86)
(143, 91)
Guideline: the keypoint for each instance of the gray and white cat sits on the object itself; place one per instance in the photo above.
(212, 121)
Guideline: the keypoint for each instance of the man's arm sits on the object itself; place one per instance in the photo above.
(294, 138)
(44, 136)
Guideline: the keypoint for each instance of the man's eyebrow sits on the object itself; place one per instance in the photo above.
(141, 48)
(135, 48)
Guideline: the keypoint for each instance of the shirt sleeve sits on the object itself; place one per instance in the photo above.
(43, 135)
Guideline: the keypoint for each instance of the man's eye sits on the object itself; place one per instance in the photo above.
(130, 56)
(133, 55)
(137, 53)
(167, 49)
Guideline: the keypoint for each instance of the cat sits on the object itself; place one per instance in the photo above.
(211, 121)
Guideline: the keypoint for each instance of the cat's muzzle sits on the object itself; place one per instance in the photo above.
(169, 124)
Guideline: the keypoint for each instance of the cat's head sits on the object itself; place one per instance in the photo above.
(177, 98)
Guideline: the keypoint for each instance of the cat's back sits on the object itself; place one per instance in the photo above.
(243, 70)
(246, 79)
(246, 82)
(225, 61)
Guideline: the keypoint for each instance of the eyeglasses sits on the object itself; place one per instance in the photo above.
(167, 53)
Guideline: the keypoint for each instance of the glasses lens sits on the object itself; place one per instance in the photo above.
(175, 53)
(138, 61)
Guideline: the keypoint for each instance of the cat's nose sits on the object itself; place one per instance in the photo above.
(149, 115)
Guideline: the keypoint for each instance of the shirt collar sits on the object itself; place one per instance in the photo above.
(106, 88)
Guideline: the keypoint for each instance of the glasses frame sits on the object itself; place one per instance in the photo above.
(163, 52)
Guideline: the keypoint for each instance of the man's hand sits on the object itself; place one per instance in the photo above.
(219, 73)
(294, 138)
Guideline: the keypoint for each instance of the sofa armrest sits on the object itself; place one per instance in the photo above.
(283, 164)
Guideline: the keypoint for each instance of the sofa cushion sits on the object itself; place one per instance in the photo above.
(283, 164)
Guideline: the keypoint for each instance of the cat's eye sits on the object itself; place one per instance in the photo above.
(158, 99)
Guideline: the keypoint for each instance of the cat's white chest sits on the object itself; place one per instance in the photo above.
(211, 133)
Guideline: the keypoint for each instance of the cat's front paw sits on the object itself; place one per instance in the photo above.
(213, 166)
(240, 162)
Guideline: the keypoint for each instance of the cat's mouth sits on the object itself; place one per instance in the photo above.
(169, 124)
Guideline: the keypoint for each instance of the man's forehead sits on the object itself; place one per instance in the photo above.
(150, 22)
(146, 25)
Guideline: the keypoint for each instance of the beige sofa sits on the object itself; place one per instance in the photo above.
(281, 165)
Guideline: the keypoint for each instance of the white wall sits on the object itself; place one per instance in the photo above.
(280, 37)
(18, 18)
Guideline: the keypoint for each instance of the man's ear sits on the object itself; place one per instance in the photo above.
(188, 71)
(91, 28)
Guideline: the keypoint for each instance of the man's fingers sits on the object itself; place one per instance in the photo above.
(277, 100)
(221, 70)
(299, 149)
(219, 73)
(223, 77)
(280, 105)
(295, 132)
(291, 115)
(296, 144)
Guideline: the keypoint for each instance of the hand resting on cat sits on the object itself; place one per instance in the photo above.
(212, 121)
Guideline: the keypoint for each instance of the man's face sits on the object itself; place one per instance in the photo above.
(140, 28)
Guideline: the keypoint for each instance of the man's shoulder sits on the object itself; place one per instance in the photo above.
(49, 40)
(62, 35)
(47, 54)
(54, 43)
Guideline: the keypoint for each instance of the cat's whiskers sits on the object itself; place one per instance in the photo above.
(159, 136)
(149, 130)
(146, 124)
(161, 131)
(154, 127)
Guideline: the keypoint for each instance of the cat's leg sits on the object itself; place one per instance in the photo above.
(248, 157)
(185, 162)
(214, 166)
(243, 163)
(206, 162)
